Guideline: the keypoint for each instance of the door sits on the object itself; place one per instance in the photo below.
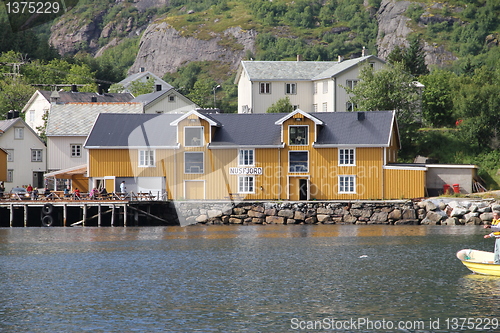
(299, 188)
(37, 179)
(194, 189)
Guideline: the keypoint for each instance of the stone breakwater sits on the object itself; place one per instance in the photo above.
(428, 212)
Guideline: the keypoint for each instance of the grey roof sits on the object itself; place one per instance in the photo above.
(148, 98)
(129, 130)
(76, 119)
(340, 128)
(344, 128)
(6, 124)
(131, 78)
(297, 70)
(247, 129)
(85, 97)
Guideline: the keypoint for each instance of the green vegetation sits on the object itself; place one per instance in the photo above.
(282, 105)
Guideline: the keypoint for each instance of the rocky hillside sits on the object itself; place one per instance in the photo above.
(173, 35)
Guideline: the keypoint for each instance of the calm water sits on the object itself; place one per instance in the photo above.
(242, 279)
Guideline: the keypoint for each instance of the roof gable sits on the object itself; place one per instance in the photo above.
(137, 76)
(298, 111)
(76, 119)
(204, 116)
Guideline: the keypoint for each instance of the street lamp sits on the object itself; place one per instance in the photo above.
(214, 89)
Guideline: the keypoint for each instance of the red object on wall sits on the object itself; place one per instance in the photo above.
(456, 188)
(446, 189)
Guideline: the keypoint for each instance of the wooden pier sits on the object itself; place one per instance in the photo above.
(86, 213)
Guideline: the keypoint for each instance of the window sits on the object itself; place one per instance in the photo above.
(265, 88)
(298, 161)
(245, 157)
(32, 115)
(290, 88)
(315, 88)
(351, 83)
(171, 98)
(372, 65)
(298, 135)
(193, 162)
(193, 136)
(350, 106)
(10, 176)
(18, 133)
(10, 155)
(36, 155)
(146, 158)
(315, 107)
(245, 184)
(325, 87)
(347, 184)
(325, 109)
(76, 150)
(347, 157)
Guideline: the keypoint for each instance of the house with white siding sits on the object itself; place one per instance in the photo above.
(312, 86)
(68, 126)
(42, 101)
(26, 153)
(143, 76)
(165, 101)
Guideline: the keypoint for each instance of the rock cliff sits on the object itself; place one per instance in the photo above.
(394, 29)
(163, 49)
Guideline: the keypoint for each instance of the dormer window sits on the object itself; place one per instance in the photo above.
(298, 135)
(193, 136)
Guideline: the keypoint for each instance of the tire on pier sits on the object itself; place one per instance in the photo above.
(47, 221)
(47, 209)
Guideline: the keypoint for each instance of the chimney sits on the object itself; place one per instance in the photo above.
(361, 115)
(363, 52)
(12, 114)
(74, 88)
(299, 57)
(158, 87)
(100, 89)
(341, 58)
(93, 99)
(54, 97)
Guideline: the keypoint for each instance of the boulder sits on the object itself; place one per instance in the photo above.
(201, 218)
(253, 213)
(275, 220)
(322, 218)
(299, 215)
(432, 218)
(379, 218)
(288, 213)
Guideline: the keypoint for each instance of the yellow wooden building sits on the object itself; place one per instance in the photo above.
(294, 156)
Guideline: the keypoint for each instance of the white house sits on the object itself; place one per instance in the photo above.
(165, 101)
(68, 126)
(41, 102)
(143, 76)
(312, 86)
(26, 154)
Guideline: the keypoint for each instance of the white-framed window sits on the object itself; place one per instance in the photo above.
(315, 88)
(315, 107)
(265, 87)
(193, 136)
(246, 184)
(347, 156)
(18, 133)
(146, 158)
(350, 106)
(298, 135)
(325, 107)
(36, 155)
(347, 184)
(290, 88)
(246, 157)
(76, 150)
(325, 87)
(32, 115)
(10, 155)
(10, 176)
(298, 161)
(193, 162)
(351, 83)
(171, 98)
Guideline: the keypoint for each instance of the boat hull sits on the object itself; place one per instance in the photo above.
(479, 262)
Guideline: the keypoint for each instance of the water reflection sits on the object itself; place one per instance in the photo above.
(235, 278)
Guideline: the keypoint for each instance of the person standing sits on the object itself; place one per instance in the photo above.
(123, 189)
(495, 227)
